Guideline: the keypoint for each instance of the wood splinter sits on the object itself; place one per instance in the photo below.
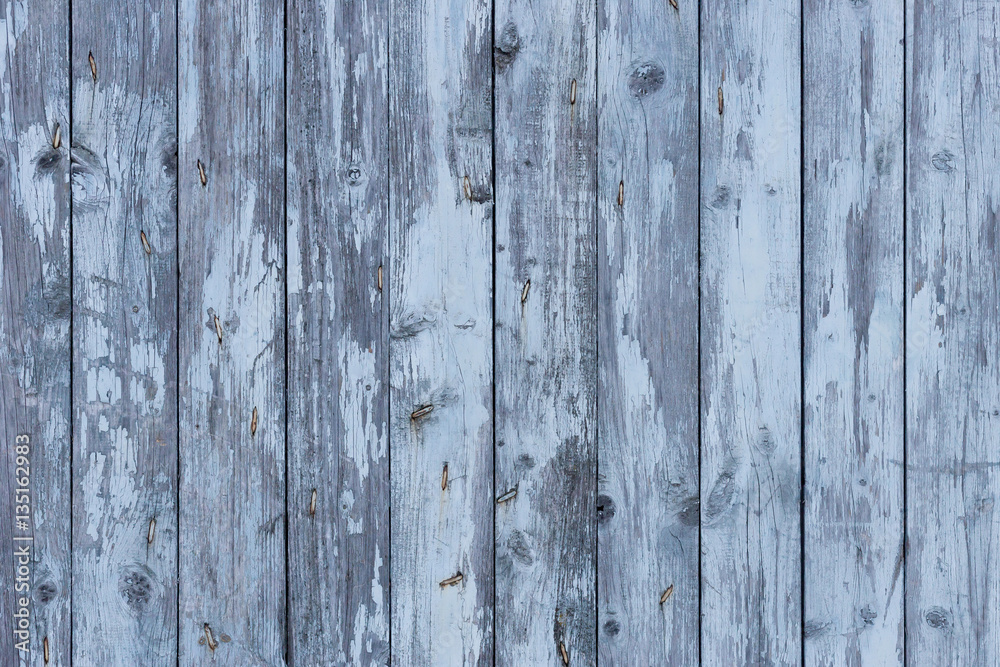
(467, 185)
(621, 193)
(93, 65)
(524, 291)
(510, 495)
(379, 277)
(451, 581)
(201, 174)
(667, 593)
(152, 531)
(218, 328)
(420, 412)
(145, 243)
(444, 477)
(721, 103)
(45, 650)
(564, 653)
(210, 638)
(673, 3)
(57, 137)
(572, 92)
(312, 504)
(253, 422)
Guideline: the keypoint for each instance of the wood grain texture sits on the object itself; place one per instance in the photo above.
(232, 336)
(439, 282)
(648, 333)
(853, 332)
(338, 335)
(751, 330)
(952, 332)
(35, 306)
(546, 331)
(124, 333)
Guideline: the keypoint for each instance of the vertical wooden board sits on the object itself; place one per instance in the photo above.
(35, 305)
(952, 332)
(124, 333)
(337, 365)
(751, 332)
(546, 332)
(648, 333)
(232, 335)
(853, 333)
(440, 349)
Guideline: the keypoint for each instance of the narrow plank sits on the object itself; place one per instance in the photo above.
(648, 333)
(952, 332)
(338, 336)
(124, 333)
(35, 305)
(440, 349)
(546, 331)
(751, 331)
(232, 336)
(853, 332)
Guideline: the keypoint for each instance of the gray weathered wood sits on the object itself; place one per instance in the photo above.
(232, 335)
(952, 332)
(124, 333)
(441, 369)
(35, 309)
(546, 331)
(338, 552)
(853, 332)
(648, 333)
(751, 329)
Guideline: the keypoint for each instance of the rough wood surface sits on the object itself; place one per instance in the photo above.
(952, 332)
(751, 330)
(35, 306)
(232, 333)
(546, 331)
(439, 282)
(338, 551)
(124, 333)
(648, 333)
(853, 332)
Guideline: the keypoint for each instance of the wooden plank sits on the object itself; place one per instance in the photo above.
(232, 335)
(440, 350)
(751, 330)
(546, 331)
(35, 305)
(648, 333)
(124, 333)
(338, 336)
(952, 332)
(852, 345)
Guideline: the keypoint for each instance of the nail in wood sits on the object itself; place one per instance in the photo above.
(93, 65)
(312, 504)
(201, 174)
(667, 593)
(524, 291)
(151, 532)
(451, 581)
(218, 329)
(57, 137)
(420, 412)
(510, 495)
(145, 242)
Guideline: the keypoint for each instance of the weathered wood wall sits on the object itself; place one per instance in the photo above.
(499, 332)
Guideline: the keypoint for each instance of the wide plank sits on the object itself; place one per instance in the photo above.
(439, 281)
(35, 306)
(338, 449)
(648, 554)
(750, 332)
(853, 332)
(124, 333)
(952, 332)
(232, 333)
(546, 332)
